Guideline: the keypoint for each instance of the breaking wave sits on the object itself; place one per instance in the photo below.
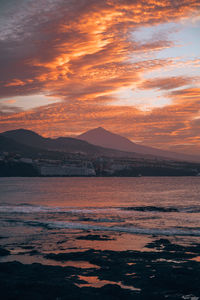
(27, 208)
(131, 229)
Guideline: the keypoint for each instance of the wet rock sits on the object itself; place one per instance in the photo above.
(166, 245)
(18, 281)
(152, 208)
(165, 274)
(4, 252)
(94, 237)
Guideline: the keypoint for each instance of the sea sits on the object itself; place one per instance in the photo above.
(61, 214)
(124, 232)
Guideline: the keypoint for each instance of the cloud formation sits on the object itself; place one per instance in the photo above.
(83, 52)
(168, 83)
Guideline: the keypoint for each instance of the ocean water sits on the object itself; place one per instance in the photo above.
(51, 215)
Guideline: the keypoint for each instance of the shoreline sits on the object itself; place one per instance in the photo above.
(166, 271)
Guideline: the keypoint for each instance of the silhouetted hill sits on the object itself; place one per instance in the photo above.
(104, 138)
(94, 143)
(62, 144)
(11, 146)
(24, 136)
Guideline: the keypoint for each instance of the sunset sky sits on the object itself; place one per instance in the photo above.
(132, 67)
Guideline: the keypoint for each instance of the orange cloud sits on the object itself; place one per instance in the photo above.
(167, 83)
(189, 94)
(83, 54)
(82, 38)
(171, 127)
(10, 101)
(15, 82)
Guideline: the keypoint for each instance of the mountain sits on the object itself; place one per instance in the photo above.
(9, 145)
(62, 144)
(94, 143)
(104, 138)
(26, 137)
(12, 146)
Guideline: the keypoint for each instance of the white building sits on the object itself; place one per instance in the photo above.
(66, 170)
(26, 160)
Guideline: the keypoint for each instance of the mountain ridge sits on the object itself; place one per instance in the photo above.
(62, 144)
(104, 138)
(95, 142)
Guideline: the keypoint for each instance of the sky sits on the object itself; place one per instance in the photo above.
(130, 66)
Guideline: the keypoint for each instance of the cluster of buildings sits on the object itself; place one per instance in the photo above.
(10, 157)
(49, 167)
(109, 166)
(66, 169)
(70, 166)
(17, 165)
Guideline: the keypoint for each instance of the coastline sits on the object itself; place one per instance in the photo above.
(166, 271)
(112, 238)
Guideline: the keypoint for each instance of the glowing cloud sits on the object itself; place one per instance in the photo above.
(85, 55)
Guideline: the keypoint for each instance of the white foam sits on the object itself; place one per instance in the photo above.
(131, 229)
(26, 209)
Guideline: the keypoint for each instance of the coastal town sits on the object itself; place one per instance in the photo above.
(71, 167)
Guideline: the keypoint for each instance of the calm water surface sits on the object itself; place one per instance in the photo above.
(55, 214)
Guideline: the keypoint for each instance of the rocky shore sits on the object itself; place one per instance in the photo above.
(164, 271)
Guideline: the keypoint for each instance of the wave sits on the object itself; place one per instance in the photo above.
(101, 220)
(31, 208)
(131, 229)
(27, 208)
(189, 209)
